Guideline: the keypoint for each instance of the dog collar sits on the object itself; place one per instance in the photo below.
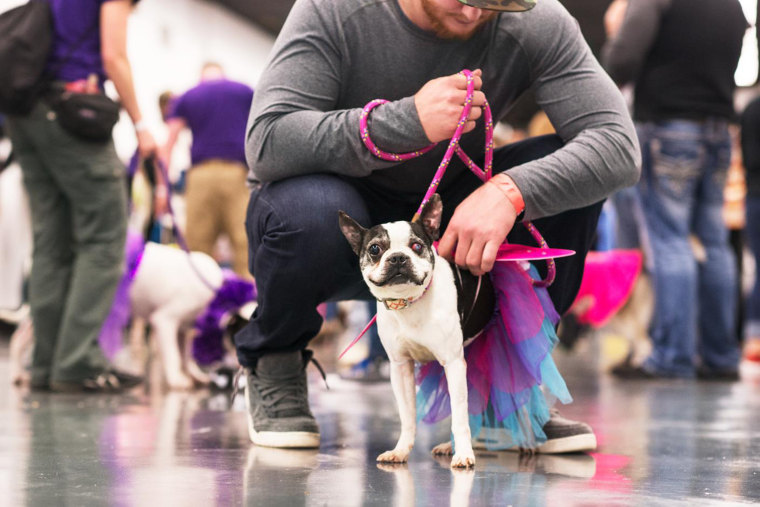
(400, 304)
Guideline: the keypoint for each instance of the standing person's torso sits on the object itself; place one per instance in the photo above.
(76, 43)
(689, 71)
(216, 113)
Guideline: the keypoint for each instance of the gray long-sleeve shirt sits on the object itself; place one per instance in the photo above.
(334, 56)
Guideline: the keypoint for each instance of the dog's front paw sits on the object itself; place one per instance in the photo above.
(443, 449)
(463, 460)
(394, 456)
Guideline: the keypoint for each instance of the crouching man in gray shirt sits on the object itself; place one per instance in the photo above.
(307, 161)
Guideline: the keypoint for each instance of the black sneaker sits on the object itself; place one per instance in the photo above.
(277, 401)
(107, 381)
(37, 384)
(728, 375)
(630, 372)
(565, 436)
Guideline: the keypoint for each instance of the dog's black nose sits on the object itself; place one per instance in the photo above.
(399, 259)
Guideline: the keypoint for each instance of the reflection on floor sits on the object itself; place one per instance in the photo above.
(661, 443)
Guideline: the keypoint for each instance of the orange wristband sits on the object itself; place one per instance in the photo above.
(507, 187)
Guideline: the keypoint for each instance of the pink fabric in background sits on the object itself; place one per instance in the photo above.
(608, 279)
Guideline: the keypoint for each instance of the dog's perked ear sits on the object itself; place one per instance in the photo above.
(353, 232)
(430, 217)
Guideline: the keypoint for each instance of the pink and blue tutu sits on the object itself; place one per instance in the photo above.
(511, 376)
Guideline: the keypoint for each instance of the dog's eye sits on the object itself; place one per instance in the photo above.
(417, 247)
(374, 250)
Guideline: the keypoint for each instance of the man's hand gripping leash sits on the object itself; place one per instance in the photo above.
(504, 251)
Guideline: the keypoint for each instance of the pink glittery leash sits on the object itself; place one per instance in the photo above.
(483, 174)
(454, 147)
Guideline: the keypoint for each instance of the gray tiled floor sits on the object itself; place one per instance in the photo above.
(661, 443)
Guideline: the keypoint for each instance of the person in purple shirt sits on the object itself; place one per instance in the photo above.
(77, 195)
(216, 112)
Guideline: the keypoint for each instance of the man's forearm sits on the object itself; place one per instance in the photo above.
(120, 73)
(302, 142)
(114, 17)
(595, 164)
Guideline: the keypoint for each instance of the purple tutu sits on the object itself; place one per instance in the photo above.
(208, 346)
(111, 337)
(508, 365)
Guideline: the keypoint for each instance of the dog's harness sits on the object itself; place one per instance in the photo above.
(484, 174)
(464, 316)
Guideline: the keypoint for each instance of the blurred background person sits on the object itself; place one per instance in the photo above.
(15, 234)
(750, 146)
(682, 64)
(216, 194)
(77, 193)
(624, 204)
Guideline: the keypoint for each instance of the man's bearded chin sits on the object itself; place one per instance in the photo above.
(436, 19)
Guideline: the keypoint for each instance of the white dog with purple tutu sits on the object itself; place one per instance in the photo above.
(186, 298)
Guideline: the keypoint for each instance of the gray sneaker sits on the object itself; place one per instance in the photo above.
(564, 436)
(277, 401)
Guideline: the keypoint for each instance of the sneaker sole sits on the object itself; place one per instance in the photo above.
(585, 442)
(576, 443)
(280, 439)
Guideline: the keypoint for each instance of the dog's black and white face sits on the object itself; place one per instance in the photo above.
(397, 258)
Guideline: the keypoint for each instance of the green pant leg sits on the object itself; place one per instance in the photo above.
(52, 257)
(92, 179)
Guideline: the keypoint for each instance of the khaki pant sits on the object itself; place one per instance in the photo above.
(216, 198)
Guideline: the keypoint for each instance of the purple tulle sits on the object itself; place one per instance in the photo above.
(208, 346)
(505, 364)
(111, 338)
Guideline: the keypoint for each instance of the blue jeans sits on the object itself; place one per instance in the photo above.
(684, 168)
(628, 218)
(300, 258)
(752, 233)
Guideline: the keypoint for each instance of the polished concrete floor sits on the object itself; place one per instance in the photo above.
(660, 443)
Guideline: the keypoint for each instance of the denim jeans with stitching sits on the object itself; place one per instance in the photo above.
(684, 168)
(300, 258)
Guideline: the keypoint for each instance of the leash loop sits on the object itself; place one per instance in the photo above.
(484, 174)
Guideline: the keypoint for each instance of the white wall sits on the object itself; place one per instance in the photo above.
(169, 40)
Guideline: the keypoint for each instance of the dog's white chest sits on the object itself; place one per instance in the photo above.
(427, 330)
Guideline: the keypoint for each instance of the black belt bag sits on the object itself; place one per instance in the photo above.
(88, 116)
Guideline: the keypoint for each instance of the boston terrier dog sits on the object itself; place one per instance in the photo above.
(429, 310)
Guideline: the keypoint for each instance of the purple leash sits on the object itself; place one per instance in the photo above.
(178, 236)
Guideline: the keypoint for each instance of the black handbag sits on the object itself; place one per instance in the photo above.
(89, 116)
